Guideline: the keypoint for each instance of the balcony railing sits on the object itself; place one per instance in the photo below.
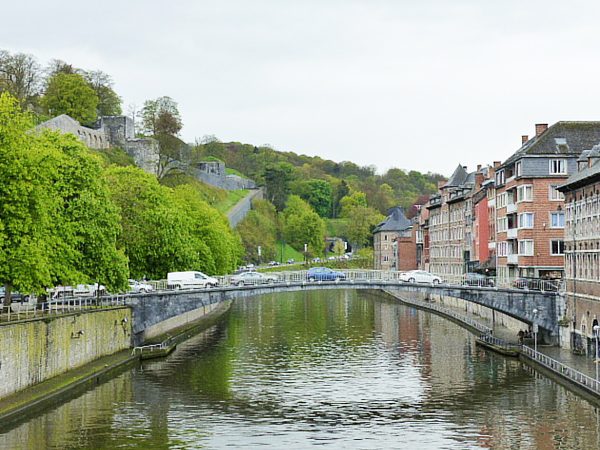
(511, 208)
(512, 259)
(511, 233)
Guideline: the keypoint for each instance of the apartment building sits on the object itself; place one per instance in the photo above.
(582, 249)
(449, 225)
(392, 236)
(483, 254)
(530, 216)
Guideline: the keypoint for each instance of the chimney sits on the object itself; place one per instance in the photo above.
(540, 128)
(497, 163)
(479, 179)
(478, 167)
(524, 139)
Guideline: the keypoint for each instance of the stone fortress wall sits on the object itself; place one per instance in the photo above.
(118, 131)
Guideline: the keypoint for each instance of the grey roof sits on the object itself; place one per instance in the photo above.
(567, 139)
(395, 221)
(581, 178)
(458, 177)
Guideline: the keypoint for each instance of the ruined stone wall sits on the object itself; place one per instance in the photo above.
(92, 138)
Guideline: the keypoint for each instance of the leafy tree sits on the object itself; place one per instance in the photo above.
(303, 226)
(259, 228)
(173, 155)
(277, 177)
(57, 224)
(316, 192)
(161, 116)
(109, 103)
(71, 95)
(20, 76)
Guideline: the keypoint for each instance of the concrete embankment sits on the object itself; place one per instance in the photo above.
(46, 361)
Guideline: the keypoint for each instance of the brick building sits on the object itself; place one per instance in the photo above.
(582, 249)
(530, 210)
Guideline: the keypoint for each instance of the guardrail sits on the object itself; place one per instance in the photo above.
(581, 379)
(152, 348)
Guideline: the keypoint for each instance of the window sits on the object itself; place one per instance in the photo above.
(554, 194)
(502, 224)
(526, 220)
(557, 247)
(525, 193)
(518, 169)
(386, 258)
(385, 237)
(557, 220)
(558, 167)
(526, 247)
(501, 200)
(500, 178)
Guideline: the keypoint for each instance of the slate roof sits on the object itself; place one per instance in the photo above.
(395, 221)
(567, 139)
(458, 177)
(586, 175)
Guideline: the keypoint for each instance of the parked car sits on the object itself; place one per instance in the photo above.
(140, 287)
(190, 280)
(536, 284)
(291, 261)
(324, 274)
(15, 296)
(477, 279)
(274, 263)
(420, 276)
(253, 278)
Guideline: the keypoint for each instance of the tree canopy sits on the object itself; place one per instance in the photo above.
(71, 95)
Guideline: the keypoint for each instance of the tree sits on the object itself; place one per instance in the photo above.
(173, 154)
(20, 76)
(303, 226)
(161, 116)
(277, 176)
(109, 103)
(57, 224)
(71, 95)
(259, 228)
(317, 193)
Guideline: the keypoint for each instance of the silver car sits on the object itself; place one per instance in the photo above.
(253, 278)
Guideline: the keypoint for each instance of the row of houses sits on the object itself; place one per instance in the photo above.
(531, 218)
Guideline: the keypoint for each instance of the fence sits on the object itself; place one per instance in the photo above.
(22, 311)
(565, 371)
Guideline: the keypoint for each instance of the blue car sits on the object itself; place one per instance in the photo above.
(324, 274)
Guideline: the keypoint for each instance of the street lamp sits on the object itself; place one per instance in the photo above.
(535, 329)
(596, 329)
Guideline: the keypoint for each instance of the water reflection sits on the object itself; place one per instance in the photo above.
(335, 370)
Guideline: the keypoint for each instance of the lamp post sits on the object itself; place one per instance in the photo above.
(535, 329)
(596, 329)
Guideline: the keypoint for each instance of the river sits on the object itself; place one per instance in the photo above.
(329, 370)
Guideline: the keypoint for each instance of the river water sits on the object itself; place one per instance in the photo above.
(329, 370)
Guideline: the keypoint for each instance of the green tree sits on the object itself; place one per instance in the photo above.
(71, 95)
(317, 193)
(277, 177)
(109, 103)
(161, 116)
(57, 224)
(303, 226)
(259, 228)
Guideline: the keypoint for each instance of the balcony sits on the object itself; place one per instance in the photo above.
(511, 233)
(511, 208)
(512, 259)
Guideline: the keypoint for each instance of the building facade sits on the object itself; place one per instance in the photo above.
(390, 237)
(530, 213)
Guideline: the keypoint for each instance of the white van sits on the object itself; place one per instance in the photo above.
(190, 280)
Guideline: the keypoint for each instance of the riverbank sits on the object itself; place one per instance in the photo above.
(50, 393)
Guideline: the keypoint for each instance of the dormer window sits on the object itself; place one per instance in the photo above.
(518, 169)
(500, 180)
(558, 167)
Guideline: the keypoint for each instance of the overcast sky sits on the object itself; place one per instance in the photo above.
(419, 85)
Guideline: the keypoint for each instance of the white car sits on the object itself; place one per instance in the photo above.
(140, 287)
(253, 278)
(420, 276)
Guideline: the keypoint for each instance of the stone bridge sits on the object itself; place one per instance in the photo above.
(150, 310)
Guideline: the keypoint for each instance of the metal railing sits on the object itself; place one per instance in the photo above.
(496, 342)
(22, 311)
(581, 379)
(152, 347)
